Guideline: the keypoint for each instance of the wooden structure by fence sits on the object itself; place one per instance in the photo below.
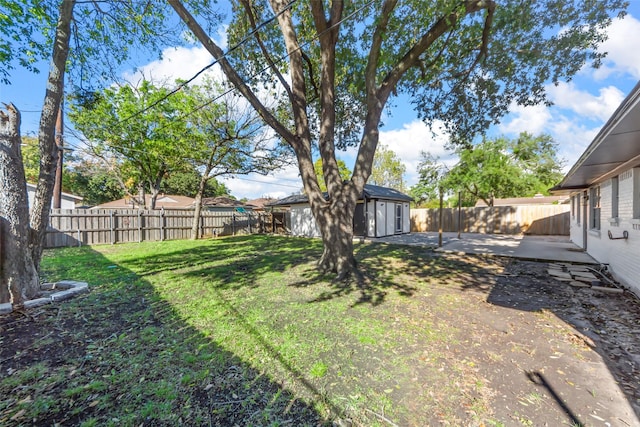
(76, 227)
(534, 219)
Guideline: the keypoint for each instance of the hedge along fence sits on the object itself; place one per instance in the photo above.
(76, 227)
(535, 220)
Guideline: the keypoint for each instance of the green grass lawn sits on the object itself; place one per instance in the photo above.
(245, 330)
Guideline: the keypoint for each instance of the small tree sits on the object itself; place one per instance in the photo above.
(431, 174)
(227, 138)
(501, 168)
(141, 136)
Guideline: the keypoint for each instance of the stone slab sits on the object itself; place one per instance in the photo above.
(608, 290)
(577, 284)
(585, 275)
(64, 295)
(6, 308)
(37, 302)
(561, 274)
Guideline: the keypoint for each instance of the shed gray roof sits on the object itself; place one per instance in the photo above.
(370, 192)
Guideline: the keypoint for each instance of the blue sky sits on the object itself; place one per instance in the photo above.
(581, 108)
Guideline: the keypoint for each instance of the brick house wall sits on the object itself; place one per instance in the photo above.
(622, 255)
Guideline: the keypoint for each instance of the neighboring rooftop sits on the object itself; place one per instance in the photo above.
(165, 201)
(370, 192)
(32, 187)
(261, 202)
(224, 202)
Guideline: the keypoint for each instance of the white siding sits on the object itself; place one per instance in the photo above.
(302, 222)
(381, 212)
(623, 256)
(390, 219)
(371, 218)
(576, 231)
(65, 202)
(406, 218)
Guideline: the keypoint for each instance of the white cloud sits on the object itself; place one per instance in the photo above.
(414, 137)
(176, 63)
(598, 107)
(572, 138)
(623, 54)
(532, 119)
(276, 185)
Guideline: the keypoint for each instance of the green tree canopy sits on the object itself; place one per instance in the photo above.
(431, 173)
(387, 170)
(345, 173)
(501, 167)
(186, 183)
(140, 143)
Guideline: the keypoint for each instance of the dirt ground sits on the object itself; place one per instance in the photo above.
(549, 353)
(556, 354)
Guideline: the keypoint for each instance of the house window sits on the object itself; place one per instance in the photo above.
(573, 206)
(594, 206)
(578, 207)
(614, 197)
(398, 218)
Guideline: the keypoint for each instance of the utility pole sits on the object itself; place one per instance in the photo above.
(57, 188)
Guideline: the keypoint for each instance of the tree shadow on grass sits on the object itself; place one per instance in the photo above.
(386, 268)
(121, 354)
(232, 262)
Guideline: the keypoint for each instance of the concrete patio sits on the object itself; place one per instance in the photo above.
(535, 248)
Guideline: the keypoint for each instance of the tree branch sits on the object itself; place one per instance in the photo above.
(231, 73)
(443, 25)
(328, 40)
(265, 52)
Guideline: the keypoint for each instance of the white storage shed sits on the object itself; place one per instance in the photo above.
(380, 212)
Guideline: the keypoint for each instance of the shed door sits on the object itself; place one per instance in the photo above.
(359, 225)
(398, 228)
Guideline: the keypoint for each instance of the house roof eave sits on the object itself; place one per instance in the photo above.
(610, 151)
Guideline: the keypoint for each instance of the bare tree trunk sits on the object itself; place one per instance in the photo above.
(195, 234)
(19, 280)
(154, 197)
(335, 220)
(198, 203)
(46, 135)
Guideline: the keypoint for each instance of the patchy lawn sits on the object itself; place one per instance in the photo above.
(245, 331)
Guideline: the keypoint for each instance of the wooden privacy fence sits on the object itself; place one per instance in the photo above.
(76, 227)
(535, 220)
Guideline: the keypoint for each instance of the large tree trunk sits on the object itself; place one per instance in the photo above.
(19, 277)
(335, 220)
(46, 135)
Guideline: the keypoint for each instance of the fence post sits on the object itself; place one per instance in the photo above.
(139, 226)
(111, 227)
(233, 224)
(161, 221)
(249, 221)
(440, 220)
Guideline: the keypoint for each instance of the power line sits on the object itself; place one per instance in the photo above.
(267, 183)
(280, 59)
(226, 92)
(244, 40)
